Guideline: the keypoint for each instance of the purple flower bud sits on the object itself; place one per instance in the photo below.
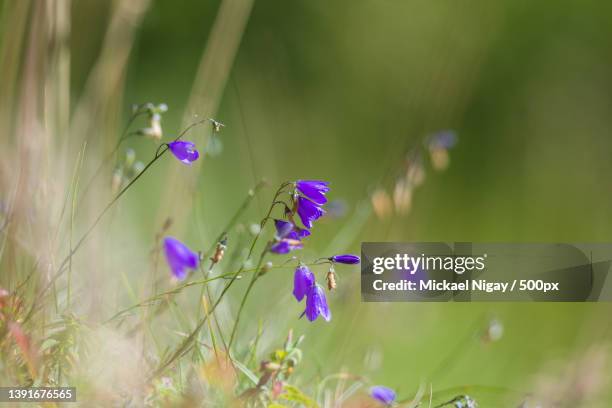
(345, 259)
(313, 189)
(383, 394)
(316, 304)
(179, 257)
(303, 280)
(184, 151)
(308, 211)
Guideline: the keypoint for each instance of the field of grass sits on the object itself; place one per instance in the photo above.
(358, 94)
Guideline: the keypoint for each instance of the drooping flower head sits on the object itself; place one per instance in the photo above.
(180, 258)
(308, 198)
(288, 237)
(316, 304)
(308, 211)
(184, 151)
(313, 189)
(383, 394)
(303, 280)
(345, 259)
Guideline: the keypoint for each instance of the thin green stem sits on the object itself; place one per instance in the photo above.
(187, 342)
(254, 278)
(162, 149)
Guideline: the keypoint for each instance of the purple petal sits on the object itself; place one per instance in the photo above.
(283, 228)
(281, 247)
(184, 151)
(316, 304)
(303, 280)
(286, 245)
(308, 211)
(302, 233)
(383, 394)
(345, 259)
(179, 257)
(314, 190)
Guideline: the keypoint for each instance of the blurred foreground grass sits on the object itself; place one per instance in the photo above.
(338, 91)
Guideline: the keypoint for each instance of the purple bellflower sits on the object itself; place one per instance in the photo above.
(308, 211)
(309, 197)
(184, 151)
(345, 259)
(316, 304)
(288, 237)
(314, 190)
(303, 280)
(180, 258)
(383, 394)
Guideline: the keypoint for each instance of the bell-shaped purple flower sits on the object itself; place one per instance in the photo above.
(303, 280)
(184, 151)
(383, 394)
(288, 237)
(316, 304)
(345, 259)
(313, 189)
(180, 258)
(308, 211)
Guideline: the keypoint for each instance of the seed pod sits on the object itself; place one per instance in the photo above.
(331, 279)
(219, 251)
(265, 268)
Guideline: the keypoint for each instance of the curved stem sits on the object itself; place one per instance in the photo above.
(161, 150)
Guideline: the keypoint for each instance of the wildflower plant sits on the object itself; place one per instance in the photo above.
(228, 374)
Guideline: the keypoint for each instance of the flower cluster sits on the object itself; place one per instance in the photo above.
(308, 198)
(305, 285)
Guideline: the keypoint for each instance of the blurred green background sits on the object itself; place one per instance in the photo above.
(341, 91)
